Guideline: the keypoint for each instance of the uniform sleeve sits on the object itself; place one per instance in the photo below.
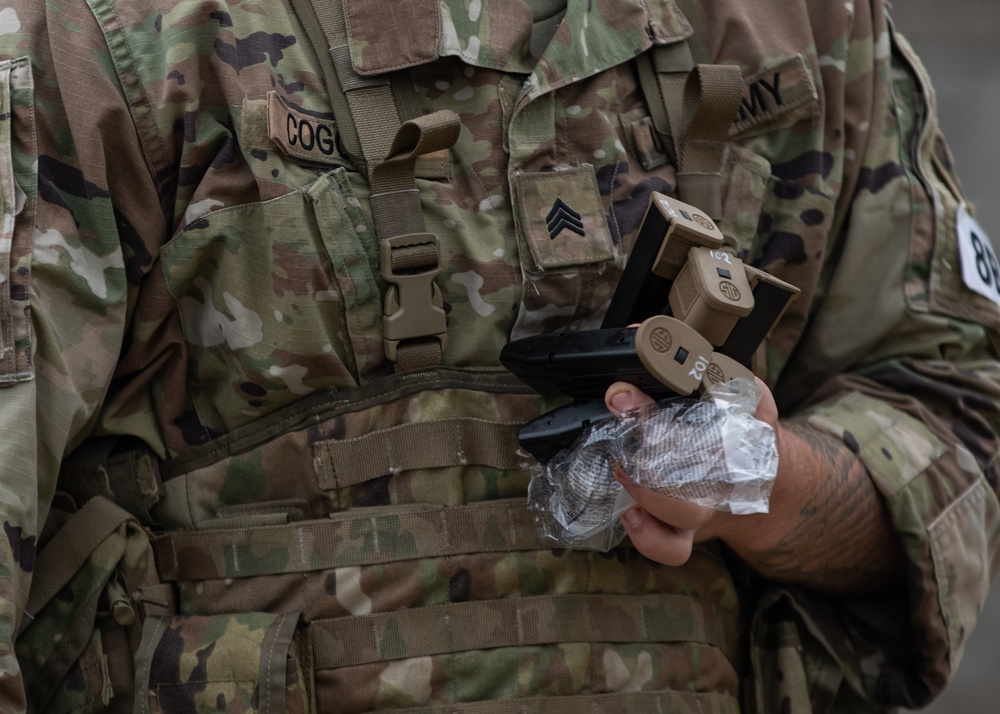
(69, 268)
(912, 311)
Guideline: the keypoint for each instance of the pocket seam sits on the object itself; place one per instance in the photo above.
(16, 367)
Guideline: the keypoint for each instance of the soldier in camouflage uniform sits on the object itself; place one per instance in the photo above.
(192, 327)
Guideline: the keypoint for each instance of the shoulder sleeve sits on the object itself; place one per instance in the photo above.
(912, 311)
(70, 264)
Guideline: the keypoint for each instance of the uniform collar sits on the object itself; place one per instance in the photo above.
(594, 35)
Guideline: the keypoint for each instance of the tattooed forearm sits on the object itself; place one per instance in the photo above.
(830, 529)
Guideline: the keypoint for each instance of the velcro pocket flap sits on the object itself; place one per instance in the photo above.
(562, 218)
(405, 36)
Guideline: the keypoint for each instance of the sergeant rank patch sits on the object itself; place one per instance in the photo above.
(561, 218)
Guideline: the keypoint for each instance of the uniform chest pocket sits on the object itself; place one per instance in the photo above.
(277, 299)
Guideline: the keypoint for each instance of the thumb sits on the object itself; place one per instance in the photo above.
(622, 397)
(767, 410)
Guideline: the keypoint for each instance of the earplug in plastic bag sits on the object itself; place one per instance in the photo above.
(710, 451)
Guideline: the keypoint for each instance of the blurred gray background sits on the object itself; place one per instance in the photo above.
(959, 43)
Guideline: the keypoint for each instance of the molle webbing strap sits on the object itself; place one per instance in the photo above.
(273, 672)
(625, 703)
(424, 445)
(69, 550)
(325, 24)
(514, 622)
(324, 406)
(362, 536)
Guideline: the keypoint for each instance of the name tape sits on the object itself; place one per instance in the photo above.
(784, 92)
(302, 135)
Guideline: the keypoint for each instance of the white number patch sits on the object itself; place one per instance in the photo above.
(980, 269)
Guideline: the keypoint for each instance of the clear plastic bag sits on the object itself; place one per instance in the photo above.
(710, 451)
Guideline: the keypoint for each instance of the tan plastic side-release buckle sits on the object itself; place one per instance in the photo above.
(414, 308)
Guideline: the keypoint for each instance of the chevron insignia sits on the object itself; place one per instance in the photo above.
(562, 216)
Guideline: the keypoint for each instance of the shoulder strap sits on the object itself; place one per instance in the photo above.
(84, 555)
(379, 123)
(692, 109)
(69, 550)
(662, 74)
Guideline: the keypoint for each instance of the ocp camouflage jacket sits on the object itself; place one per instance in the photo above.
(189, 272)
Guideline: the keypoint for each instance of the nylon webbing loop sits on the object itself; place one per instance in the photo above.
(515, 622)
(414, 257)
(418, 354)
(69, 550)
(395, 201)
(153, 629)
(712, 95)
(627, 703)
(424, 445)
(347, 539)
(695, 111)
(368, 110)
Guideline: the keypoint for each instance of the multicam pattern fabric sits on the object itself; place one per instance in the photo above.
(182, 267)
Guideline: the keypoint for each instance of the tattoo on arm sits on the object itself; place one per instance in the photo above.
(842, 540)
